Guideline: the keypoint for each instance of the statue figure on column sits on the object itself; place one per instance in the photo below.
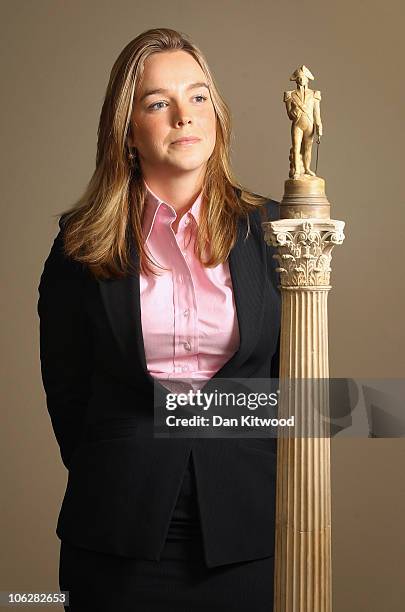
(303, 108)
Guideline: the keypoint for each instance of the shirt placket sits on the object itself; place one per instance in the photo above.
(185, 306)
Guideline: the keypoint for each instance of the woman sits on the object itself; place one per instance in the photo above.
(160, 272)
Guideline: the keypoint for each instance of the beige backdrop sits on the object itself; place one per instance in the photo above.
(55, 63)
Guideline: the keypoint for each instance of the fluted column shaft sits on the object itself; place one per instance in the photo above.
(303, 516)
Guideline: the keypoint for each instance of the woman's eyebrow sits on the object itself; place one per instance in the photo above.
(160, 90)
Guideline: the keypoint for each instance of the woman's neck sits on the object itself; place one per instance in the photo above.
(179, 192)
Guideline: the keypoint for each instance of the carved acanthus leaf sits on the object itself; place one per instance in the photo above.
(304, 255)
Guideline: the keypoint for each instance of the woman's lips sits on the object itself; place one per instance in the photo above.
(186, 142)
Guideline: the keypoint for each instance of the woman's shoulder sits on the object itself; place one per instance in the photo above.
(272, 210)
(63, 220)
(267, 211)
(58, 263)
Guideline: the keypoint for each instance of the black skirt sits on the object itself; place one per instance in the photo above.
(179, 582)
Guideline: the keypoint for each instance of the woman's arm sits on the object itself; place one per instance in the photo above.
(272, 214)
(66, 350)
(275, 361)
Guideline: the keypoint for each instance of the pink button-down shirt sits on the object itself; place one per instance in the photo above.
(189, 321)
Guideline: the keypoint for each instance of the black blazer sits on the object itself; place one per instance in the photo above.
(123, 483)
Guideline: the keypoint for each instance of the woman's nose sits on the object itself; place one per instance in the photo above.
(183, 119)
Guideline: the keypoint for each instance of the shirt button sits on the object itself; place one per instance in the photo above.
(186, 312)
(187, 221)
(187, 346)
(180, 278)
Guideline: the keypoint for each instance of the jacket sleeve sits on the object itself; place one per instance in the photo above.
(66, 350)
(275, 361)
(272, 214)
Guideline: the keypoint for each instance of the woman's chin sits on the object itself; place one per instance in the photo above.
(188, 165)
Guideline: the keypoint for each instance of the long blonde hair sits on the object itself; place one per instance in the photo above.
(97, 227)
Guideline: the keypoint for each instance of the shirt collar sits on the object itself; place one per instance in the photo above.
(156, 211)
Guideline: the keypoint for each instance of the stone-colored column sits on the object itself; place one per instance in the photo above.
(303, 522)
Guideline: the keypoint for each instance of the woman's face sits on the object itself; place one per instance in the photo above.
(180, 109)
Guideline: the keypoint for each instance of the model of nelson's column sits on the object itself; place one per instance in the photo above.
(304, 237)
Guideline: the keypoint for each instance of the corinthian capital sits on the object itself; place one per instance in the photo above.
(304, 250)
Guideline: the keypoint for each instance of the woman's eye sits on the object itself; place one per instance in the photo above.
(152, 106)
(156, 107)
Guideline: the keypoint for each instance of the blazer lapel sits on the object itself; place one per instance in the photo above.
(121, 299)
